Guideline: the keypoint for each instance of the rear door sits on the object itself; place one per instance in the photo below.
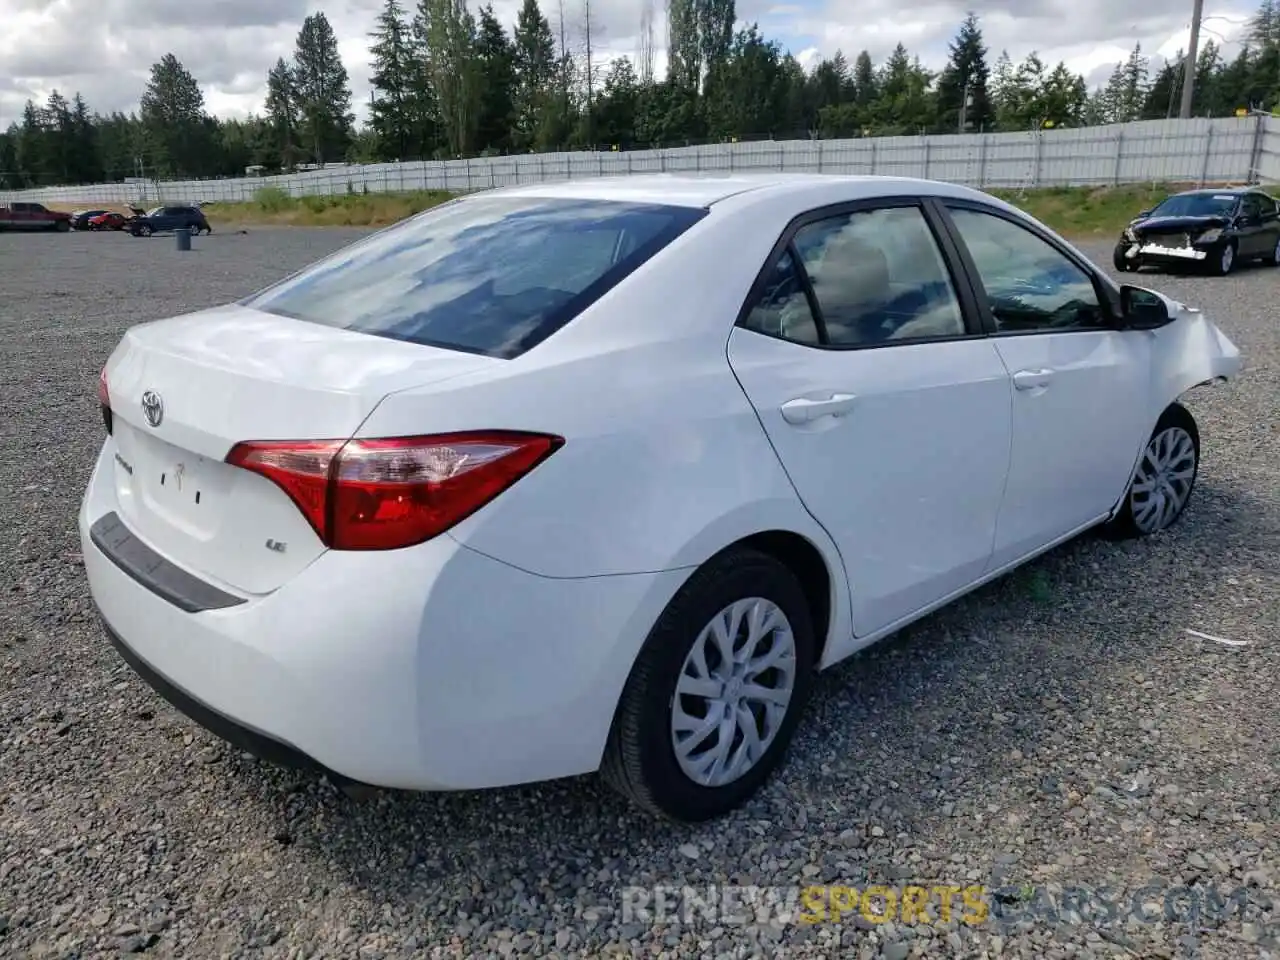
(1261, 228)
(1080, 387)
(20, 216)
(887, 407)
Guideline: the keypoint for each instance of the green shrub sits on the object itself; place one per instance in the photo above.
(272, 199)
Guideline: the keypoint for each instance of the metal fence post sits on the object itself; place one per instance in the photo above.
(1255, 155)
(1119, 156)
(1208, 152)
(982, 162)
(1035, 169)
(927, 151)
(874, 158)
(821, 156)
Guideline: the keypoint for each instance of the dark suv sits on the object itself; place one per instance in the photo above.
(169, 218)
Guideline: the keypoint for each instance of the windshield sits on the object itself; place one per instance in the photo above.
(1197, 205)
(491, 275)
(155, 211)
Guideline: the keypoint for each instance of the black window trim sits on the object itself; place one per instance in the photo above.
(970, 313)
(1104, 288)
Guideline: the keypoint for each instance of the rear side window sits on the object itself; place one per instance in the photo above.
(489, 275)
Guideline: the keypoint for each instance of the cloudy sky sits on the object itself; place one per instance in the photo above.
(104, 48)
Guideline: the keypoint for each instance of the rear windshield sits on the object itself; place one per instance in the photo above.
(1197, 205)
(490, 275)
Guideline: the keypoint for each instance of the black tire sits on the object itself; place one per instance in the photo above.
(1124, 526)
(63, 226)
(143, 231)
(1221, 263)
(1273, 258)
(1121, 262)
(639, 759)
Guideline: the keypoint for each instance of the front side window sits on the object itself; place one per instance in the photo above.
(1030, 285)
(490, 275)
(1256, 207)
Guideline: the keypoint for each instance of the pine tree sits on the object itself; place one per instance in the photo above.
(391, 113)
(321, 87)
(534, 57)
(965, 77)
(283, 150)
(864, 80)
(496, 64)
(174, 121)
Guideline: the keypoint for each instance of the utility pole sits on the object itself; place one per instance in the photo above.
(1193, 57)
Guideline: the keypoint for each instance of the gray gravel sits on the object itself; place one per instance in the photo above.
(1057, 730)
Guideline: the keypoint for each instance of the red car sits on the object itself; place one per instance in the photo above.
(108, 221)
(33, 216)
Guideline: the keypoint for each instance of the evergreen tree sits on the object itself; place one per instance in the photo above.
(174, 122)
(391, 115)
(323, 96)
(283, 146)
(962, 93)
(496, 67)
(534, 60)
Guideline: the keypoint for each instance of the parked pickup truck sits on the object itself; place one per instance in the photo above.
(32, 216)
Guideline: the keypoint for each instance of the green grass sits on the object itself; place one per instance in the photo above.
(1089, 212)
(1077, 212)
(271, 205)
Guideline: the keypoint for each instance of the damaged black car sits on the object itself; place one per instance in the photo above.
(1205, 229)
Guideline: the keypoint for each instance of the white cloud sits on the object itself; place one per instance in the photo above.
(104, 48)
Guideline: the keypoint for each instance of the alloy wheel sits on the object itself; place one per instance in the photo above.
(1228, 258)
(733, 692)
(1163, 482)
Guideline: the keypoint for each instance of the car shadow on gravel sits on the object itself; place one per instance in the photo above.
(955, 724)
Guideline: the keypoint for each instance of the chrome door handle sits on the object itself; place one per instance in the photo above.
(803, 410)
(1031, 379)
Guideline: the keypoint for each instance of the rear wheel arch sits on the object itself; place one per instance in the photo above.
(805, 560)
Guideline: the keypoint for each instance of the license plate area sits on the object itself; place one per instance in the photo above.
(1160, 250)
(181, 488)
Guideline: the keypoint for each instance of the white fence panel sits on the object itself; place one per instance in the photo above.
(1234, 149)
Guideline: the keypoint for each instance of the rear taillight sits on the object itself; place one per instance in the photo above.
(385, 494)
(104, 399)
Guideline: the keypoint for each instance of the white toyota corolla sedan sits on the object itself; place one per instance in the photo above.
(596, 475)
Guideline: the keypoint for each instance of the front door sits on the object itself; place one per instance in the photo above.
(1078, 386)
(887, 407)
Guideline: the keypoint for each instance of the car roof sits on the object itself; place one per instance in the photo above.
(1221, 192)
(704, 190)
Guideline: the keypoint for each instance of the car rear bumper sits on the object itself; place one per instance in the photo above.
(261, 745)
(431, 668)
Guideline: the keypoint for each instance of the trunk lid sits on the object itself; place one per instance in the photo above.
(185, 391)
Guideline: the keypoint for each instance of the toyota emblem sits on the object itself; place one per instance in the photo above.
(152, 408)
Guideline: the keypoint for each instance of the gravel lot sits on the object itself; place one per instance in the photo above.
(1057, 730)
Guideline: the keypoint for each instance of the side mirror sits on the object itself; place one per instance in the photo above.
(1143, 213)
(1142, 309)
